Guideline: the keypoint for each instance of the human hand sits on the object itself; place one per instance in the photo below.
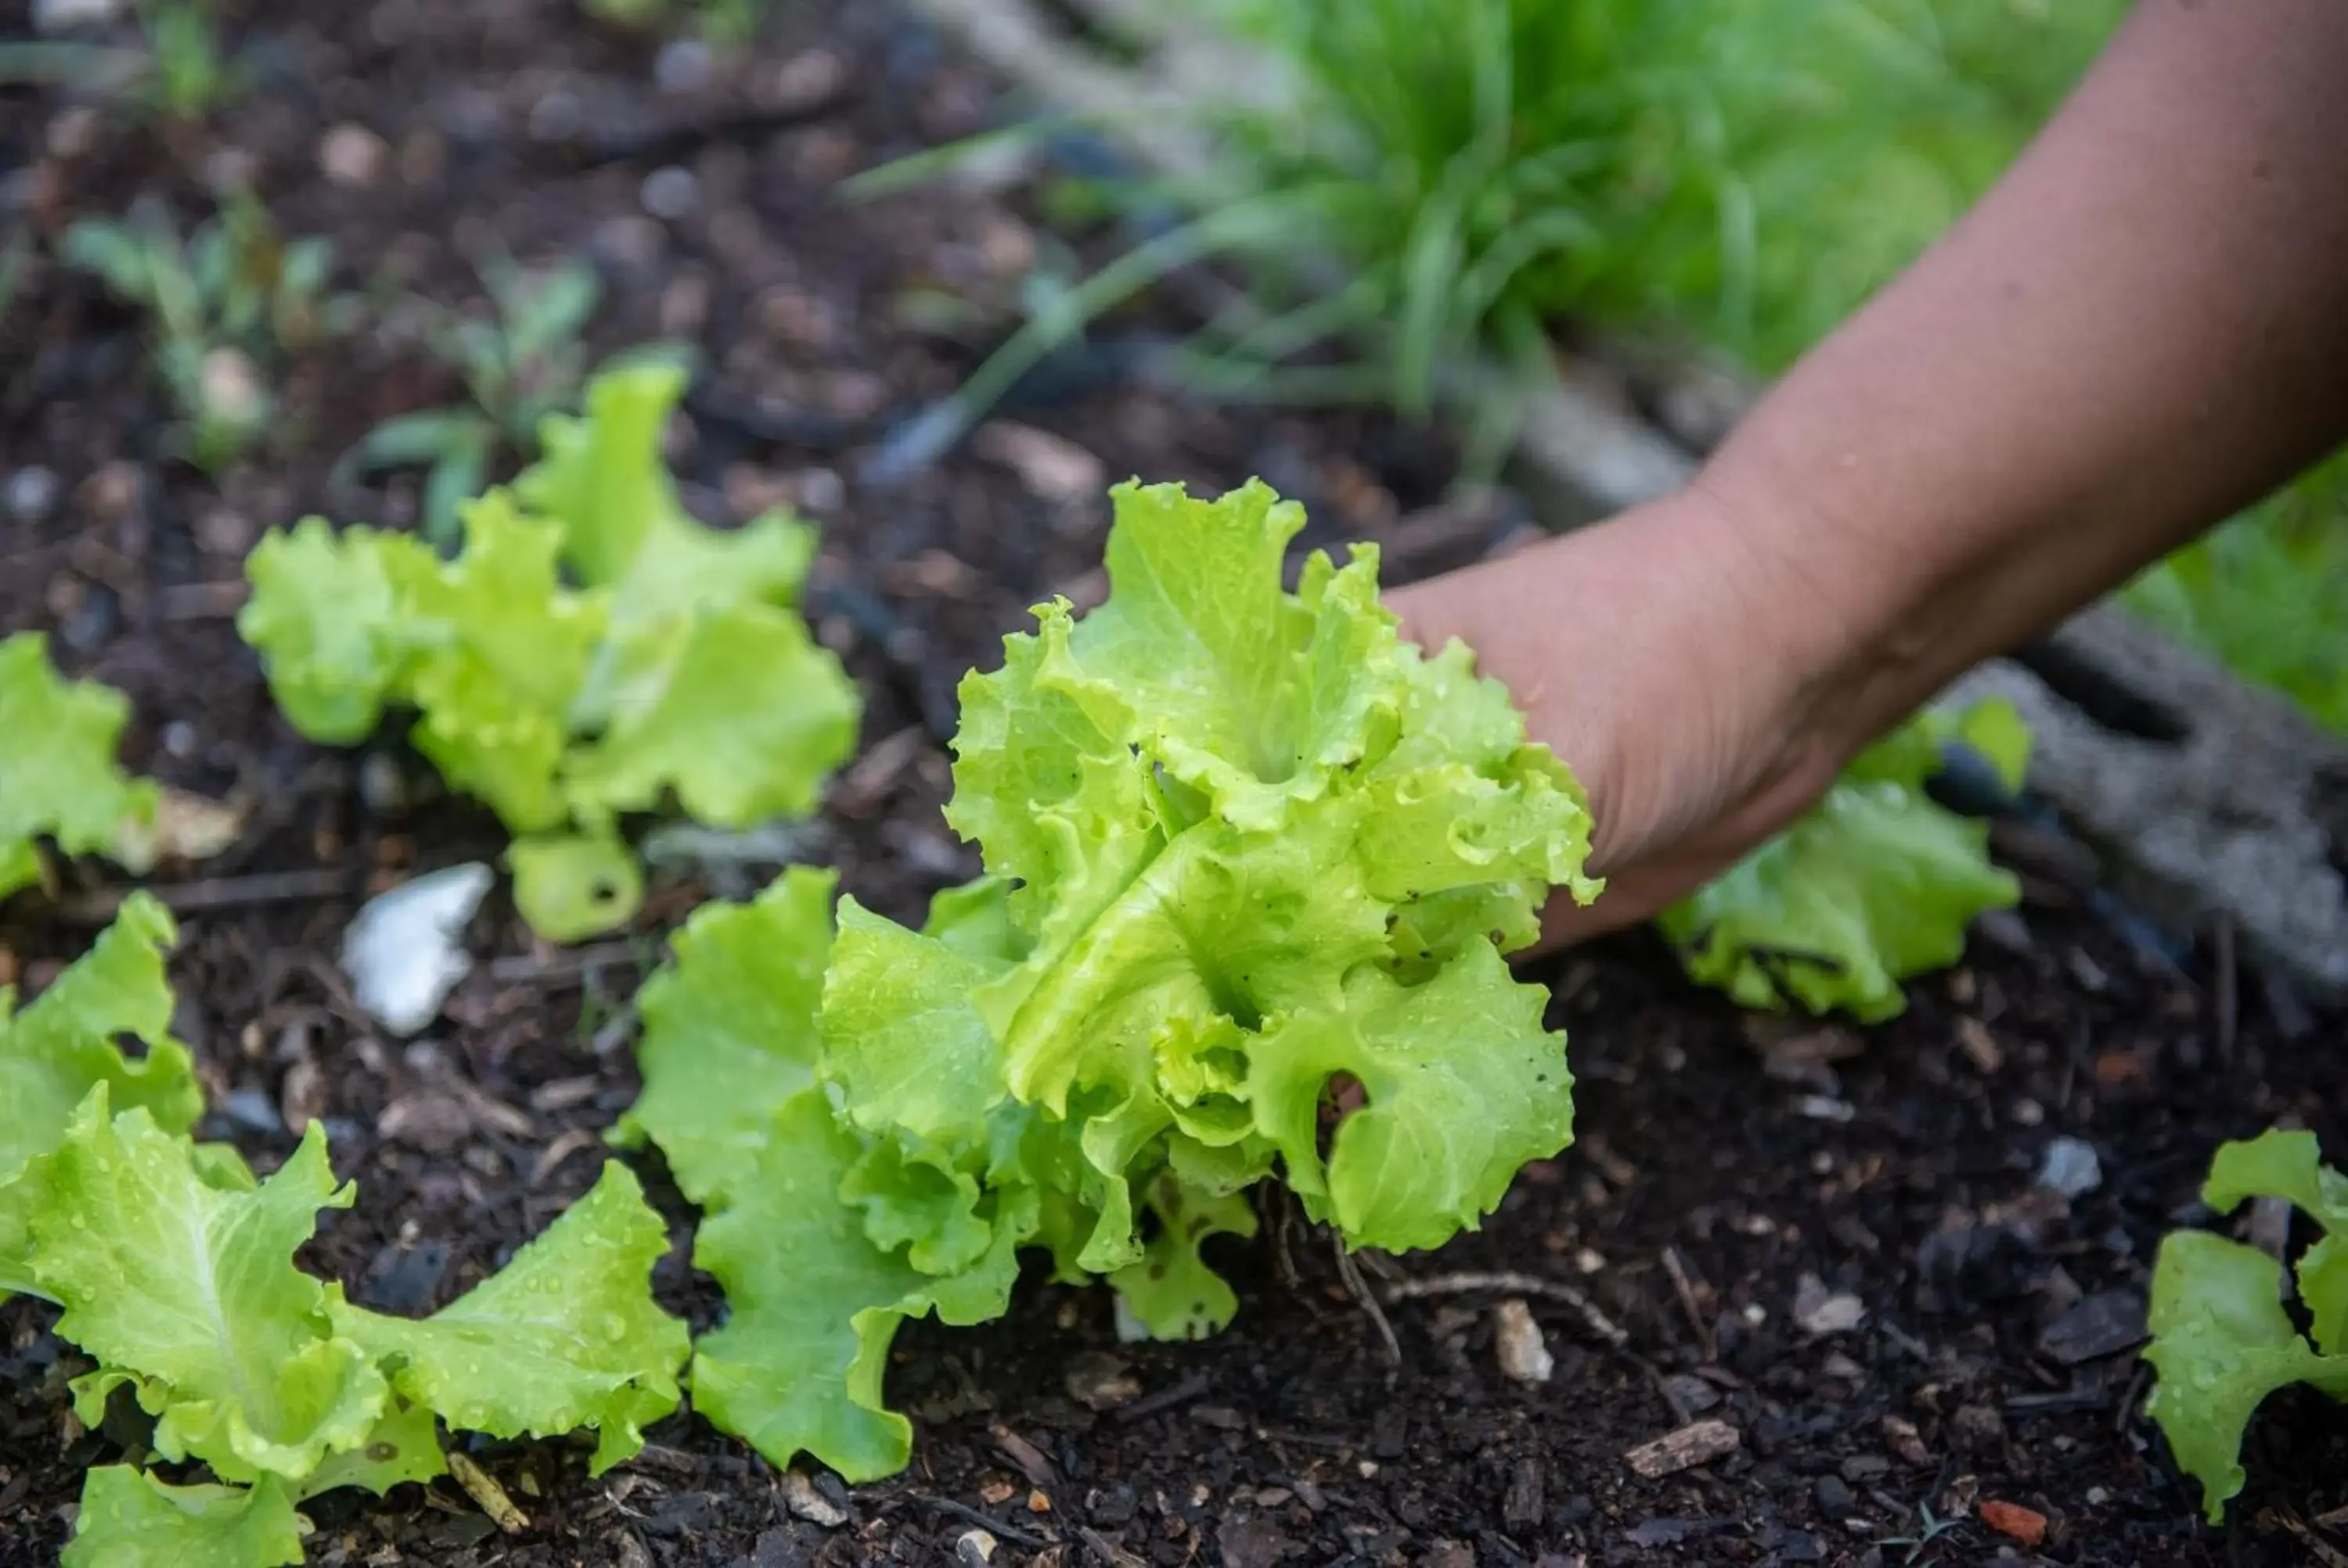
(1671, 657)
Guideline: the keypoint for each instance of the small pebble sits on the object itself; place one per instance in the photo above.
(670, 193)
(683, 66)
(1099, 1381)
(1516, 1339)
(805, 1502)
(351, 156)
(820, 489)
(383, 786)
(31, 493)
(974, 1548)
(2069, 1168)
(1817, 1311)
(1834, 1496)
(555, 116)
(73, 133)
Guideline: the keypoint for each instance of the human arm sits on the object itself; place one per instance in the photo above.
(2143, 327)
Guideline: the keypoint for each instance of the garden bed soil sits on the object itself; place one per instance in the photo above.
(1829, 1242)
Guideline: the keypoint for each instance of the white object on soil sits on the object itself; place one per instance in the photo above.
(405, 950)
(2070, 1168)
(1523, 1355)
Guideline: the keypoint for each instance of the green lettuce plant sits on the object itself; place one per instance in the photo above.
(592, 651)
(1875, 883)
(2222, 1339)
(174, 1269)
(58, 778)
(1243, 846)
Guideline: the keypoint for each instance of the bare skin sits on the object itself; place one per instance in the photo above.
(2143, 328)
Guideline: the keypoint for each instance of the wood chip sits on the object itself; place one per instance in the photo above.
(563, 1093)
(483, 1488)
(1698, 1442)
(1973, 1040)
(577, 1140)
(1899, 1434)
(2026, 1525)
(1030, 1459)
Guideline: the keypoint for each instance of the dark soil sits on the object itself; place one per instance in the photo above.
(1729, 1179)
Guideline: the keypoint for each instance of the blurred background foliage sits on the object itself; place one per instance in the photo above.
(1411, 185)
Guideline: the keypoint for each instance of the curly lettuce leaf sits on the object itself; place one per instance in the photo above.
(188, 1293)
(903, 1036)
(601, 475)
(2221, 1339)
(1464, 1088)
(2221, 1344)
(63, 1045)
(743, 716)
(1876, 883)
(570, 885)
(708, 684)
(129, 1519)
(566, 1336)
(495, 690)
(58, 778)
(1240, 842)
(672, 663)
(329, 615)
(1169, 1290)
(404, 1446)
(2280, 1163)
(63, 1042)
(811, 1306)
(1208, 809)
(729, 1030)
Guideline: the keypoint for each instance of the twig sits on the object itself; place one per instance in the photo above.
(1110, 1555)
(483, 1488)
(218, 893)
(2324, 1552)
(1351, 1273)
(976, 1516)
(1165, 1398)
(1684, 1290)
(1596, 1321)
(1284, 1221)
(2137, 1380)
(570, 966)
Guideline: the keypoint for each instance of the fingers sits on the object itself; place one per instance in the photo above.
(1631, 897)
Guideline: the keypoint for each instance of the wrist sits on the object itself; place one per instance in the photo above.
(1813, 638)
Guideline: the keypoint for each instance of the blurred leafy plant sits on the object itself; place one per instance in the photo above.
(522, 361)
(187, 75)
(592, 651)
(177, 70)
(1875, 883)
(222, 303)
(1425, 182)
(722, 22)
(2268, 594)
